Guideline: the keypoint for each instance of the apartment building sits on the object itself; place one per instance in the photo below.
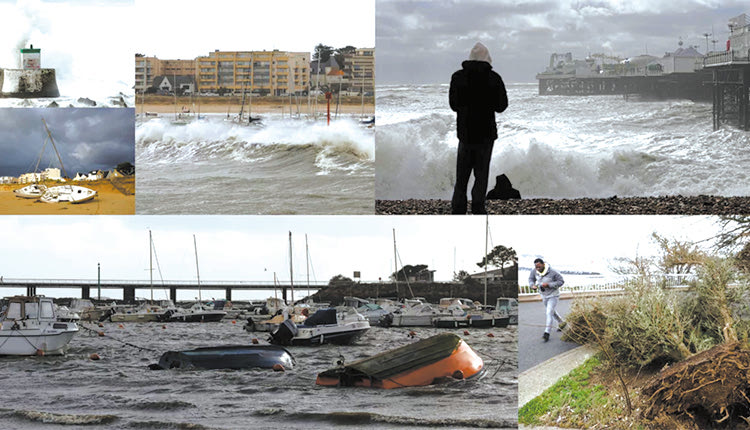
(262, 72)
(148, 68)
(359, 70)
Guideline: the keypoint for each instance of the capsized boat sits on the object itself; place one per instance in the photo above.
(324, 326)
(422, 363)
(227, 357)
(68, 194)
(33, 191)
(30, 326)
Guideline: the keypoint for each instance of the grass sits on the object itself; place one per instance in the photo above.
(575, 400)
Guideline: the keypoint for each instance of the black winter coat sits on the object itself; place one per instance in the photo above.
(476, 93)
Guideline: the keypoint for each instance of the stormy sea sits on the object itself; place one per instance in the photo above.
(119, 391)
(561, 146)
(280, 166)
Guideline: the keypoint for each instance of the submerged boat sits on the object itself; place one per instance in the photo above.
(227, 357)
(30, 327)
(33, 191)
(422, 363)
(68, 194)
(324, 326)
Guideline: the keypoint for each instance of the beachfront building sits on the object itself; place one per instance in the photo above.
(8, 180)
(320, 70)
(274, 72)
(359, 70)
(147, 69)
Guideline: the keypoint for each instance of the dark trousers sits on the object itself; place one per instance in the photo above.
(474, 157)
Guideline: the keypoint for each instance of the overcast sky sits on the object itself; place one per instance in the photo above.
(88, 139)
(426, 41)
(87, 42)
(185, 29)
(252, 248)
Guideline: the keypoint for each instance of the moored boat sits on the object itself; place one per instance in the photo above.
(30, 327)
(324, 326)
(466, 313)
(227, 357)
(422, 363)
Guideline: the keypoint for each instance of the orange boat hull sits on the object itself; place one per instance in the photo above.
(463, 363)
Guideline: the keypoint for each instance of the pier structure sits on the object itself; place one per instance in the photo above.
(129, 287)
(731, 77)
(31, 81)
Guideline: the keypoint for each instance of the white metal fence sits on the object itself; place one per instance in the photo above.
(669, 281)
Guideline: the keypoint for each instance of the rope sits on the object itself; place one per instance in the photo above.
(118, 340)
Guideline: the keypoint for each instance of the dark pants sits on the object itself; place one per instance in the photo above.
(477, 158)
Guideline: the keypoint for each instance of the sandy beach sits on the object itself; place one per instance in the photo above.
(113, 198)
(260, 105)
(664, 205)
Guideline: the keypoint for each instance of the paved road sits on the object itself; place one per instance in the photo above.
(532, 350)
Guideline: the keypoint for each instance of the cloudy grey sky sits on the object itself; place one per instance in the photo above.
(87, 139)
(425, 41)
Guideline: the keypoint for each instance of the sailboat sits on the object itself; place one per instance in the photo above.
(60, 193)
(196, 313)
(33, 191)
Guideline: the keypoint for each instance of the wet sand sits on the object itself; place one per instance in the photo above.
(113, 198)
(664, 205)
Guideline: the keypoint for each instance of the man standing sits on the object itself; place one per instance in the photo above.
(476, 93)
(548, 281)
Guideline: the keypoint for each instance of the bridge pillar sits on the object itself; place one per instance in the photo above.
(173, 294)
(283, 294)
(128, 294)
(31, 290)
(85, 292)
(228, 294)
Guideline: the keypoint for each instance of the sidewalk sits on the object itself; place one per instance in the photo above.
(534, 381)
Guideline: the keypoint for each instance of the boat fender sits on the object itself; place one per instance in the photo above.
(339, 362)
(40, 352)
(255, 341)
(234, 322)
(100, 333)
(466, 332)
(412, 334)
(94, 357)
(163, 327)
(490, 335)
(458, 374)
(101, 325)
(120, 326)
(278, 368)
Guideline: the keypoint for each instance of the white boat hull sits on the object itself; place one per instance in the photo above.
(400, 320)
(68, 194)
(33, 191)
(27, 341)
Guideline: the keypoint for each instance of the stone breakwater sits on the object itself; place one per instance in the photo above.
(665, 205)
(20, 83)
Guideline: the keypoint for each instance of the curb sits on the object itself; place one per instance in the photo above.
(534, 381)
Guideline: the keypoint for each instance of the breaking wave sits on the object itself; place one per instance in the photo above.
(65, 419)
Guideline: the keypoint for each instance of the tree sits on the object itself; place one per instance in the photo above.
(125, 168)
(460, 276)
(499, 256)
(409, 271)
(677, 257)
(735, 231)
(340, 53)
(322, 52)
(340, 279)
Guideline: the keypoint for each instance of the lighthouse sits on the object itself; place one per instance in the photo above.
(31, 58)
(31, 80)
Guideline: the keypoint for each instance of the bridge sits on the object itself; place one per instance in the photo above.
(128, 287)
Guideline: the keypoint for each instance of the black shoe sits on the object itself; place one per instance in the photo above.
(545, 336)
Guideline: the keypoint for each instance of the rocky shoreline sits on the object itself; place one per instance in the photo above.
(663, 205)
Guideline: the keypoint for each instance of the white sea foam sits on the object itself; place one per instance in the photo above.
(563, 147)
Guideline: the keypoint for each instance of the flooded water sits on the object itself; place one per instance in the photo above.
(120, 392)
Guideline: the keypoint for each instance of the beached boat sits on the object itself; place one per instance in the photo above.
(30, 327)
(227, 357)
(33, 191)
(67, 194)
(422, 363)
(324, 326)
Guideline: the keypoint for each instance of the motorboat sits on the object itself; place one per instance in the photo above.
(428, 361)
(29, 326)
(227, 357)
(466, 313)
(270, 324)
(146, 312)
(324, 326)
(33, 191)
(374, 313)
(506, 306)
(66, 314)
(418, 315)
(67, 194)
(196, 313)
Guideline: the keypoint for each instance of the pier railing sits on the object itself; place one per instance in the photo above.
(723, 58)
(668, 281)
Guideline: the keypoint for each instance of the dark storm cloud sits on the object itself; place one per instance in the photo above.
(87, 139)
(425, 41)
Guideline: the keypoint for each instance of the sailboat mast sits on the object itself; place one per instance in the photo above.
(486, 262)
(291, 272)
(151, 264)
(197, 271)
(395, 261)
(55, 147)
(307, 258)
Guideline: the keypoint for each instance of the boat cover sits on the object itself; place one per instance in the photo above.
(321, 317)
(227, 357)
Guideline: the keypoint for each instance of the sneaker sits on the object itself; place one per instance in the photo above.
(545, 336)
